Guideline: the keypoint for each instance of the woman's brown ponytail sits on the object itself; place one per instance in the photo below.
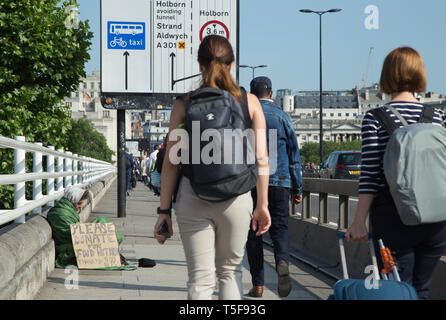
(215, 55)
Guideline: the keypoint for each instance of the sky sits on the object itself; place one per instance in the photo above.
(276, 34)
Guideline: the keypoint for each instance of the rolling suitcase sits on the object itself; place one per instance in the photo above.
(377, 289)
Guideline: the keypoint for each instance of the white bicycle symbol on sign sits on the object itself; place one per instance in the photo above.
(119, 42)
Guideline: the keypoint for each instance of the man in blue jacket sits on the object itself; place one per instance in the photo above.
(129, 169)
(286, 180)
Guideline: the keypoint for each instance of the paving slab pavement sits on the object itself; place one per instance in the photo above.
(167, 280)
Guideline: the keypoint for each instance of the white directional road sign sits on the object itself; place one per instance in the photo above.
(151, 46)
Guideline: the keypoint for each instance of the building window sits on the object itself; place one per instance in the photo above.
(77, 94)
(92, 94)
(69, 104)
(106, 114)
(85, 85)
(324, 114)
(354, 114)
(92, 85)
(331, 114)
(347, 114)
(315, 138)
(84, 104)
(339, 114)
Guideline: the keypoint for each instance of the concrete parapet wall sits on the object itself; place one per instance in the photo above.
(319, 244)
(27, 251)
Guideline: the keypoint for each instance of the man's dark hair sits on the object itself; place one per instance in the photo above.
(261, 91)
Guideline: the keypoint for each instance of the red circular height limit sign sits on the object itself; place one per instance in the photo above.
(214, 27)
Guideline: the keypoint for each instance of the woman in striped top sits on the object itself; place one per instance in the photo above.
(416, 249)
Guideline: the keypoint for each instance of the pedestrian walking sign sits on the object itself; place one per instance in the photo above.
(126, 35)
(149, 47)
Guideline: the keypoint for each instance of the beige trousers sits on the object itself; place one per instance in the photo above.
(214, 235)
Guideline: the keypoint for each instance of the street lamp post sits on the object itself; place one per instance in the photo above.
(320, 13)
(253, 67)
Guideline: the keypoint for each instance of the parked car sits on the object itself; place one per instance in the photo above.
(342, 165)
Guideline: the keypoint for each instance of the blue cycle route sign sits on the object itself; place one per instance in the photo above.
(126, 35)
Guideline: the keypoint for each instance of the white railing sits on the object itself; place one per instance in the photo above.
(62, 170)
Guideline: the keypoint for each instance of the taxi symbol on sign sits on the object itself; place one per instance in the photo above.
(181, 45)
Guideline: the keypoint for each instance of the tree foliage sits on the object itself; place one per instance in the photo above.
(42, 61)
(310, 151)
(87, 141)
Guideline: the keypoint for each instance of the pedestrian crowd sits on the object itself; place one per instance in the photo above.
(223, 207)
(216, 223)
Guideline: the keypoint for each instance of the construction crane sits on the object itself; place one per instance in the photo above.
(364, 81)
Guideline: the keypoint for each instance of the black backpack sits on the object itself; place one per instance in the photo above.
(160, 159)
(216, 180)
(128, 164)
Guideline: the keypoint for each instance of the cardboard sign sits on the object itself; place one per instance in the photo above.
(95, 245)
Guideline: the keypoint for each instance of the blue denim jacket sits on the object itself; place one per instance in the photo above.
(287, 158)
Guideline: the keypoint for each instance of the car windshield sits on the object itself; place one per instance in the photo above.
(350, 159)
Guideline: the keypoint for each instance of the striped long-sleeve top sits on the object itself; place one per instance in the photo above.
(374, 142)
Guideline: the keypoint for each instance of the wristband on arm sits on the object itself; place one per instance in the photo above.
(164, 211)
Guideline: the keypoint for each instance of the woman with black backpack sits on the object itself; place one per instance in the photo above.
(214, 233)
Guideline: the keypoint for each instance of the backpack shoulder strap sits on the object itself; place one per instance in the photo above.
(427, 115)
(384, 119)
(245, 108)
(397, 114)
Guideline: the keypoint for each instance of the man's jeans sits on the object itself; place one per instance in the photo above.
(278, 205)
(129, 179)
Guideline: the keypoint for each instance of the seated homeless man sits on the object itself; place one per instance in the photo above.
(62, 215)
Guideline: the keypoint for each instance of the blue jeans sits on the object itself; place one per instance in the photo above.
(415, 249)
(278, 205)
(129, 179)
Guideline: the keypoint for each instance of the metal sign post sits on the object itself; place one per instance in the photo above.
(149, 54)
(122, 171)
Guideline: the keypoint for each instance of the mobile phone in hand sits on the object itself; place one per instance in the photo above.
(164, 230)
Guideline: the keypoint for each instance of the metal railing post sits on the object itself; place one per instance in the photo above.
(92, 167)
(306, 205)
(68, 167)
(87, 169)
(37, 184)
(343, 212)
(80, 166)
(59, 168)
(19, 188)
(50, 181)
(323, 208)
(74, 169)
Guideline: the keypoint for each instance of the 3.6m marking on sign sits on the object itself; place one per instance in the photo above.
(214, 27)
